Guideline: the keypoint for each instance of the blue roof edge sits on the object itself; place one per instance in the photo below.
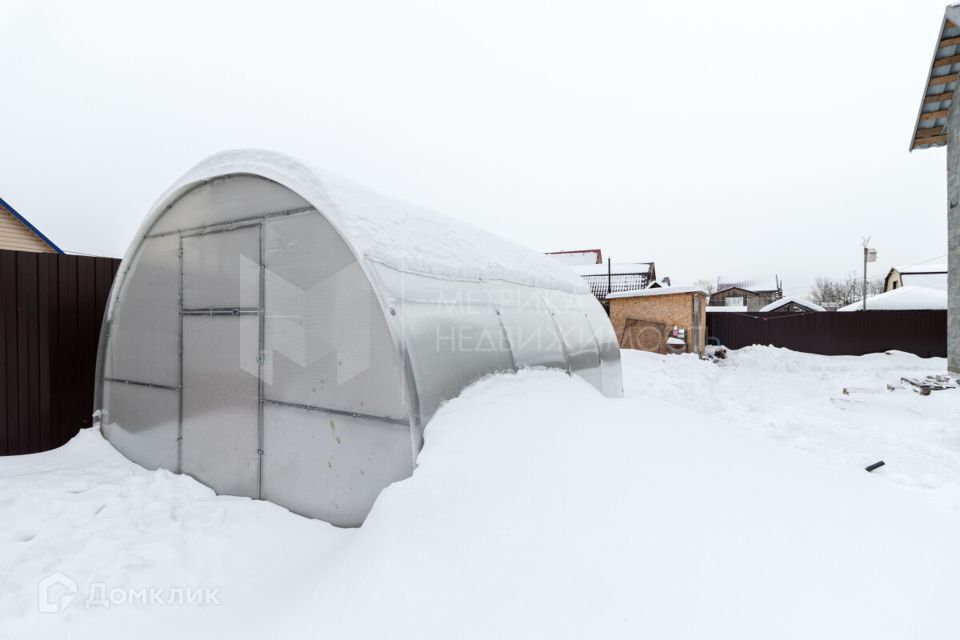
(29, 225)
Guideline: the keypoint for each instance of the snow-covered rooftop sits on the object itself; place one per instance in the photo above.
(903, 298)
(660, 291)
(705, 508)
(924, 268)
(776, 304)
(585, 256)
(929, 280)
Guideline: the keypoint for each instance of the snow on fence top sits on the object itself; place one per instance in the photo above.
(904, 298)
(382, 229)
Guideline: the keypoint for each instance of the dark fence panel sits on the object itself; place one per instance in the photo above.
(51, 306)
(836, 333)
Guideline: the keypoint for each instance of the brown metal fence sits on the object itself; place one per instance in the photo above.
(836, 333)
(51, 306)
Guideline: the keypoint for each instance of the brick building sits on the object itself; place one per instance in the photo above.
(644, 319)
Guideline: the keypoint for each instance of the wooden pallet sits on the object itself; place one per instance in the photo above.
(924, 386)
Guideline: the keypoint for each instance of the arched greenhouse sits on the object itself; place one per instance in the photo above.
(283, 334)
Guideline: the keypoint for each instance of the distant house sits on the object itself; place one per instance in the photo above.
(616, 277)
(792, 304)
(659, 284)
(932, 276)
(17, 234)
(754, 294)
(578, 256)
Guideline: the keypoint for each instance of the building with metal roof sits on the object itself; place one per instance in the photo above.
(938, 124)
(616, 277)
(932, 276)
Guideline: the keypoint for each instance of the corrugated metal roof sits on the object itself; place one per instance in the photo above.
(930, 128)
(623, 276)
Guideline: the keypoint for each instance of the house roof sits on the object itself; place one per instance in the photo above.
(20, 218)
(932, 276)
(616, 268)
(661, 291)
(803, 302)
(930, 127)
(904, 298)
(755, 284)
(929, 280)
(922, 268)
(578, 256)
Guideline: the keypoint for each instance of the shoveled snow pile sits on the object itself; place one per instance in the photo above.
(540, 509)
(904, 298)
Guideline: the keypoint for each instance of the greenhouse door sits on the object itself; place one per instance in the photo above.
(221, 337)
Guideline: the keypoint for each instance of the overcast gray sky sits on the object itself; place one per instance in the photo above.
(733, 138)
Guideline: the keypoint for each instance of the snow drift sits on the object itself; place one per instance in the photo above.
(539, 509)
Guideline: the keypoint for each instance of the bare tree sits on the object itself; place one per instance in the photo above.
(835, 293)
(710, 286)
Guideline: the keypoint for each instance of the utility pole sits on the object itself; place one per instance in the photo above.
(869, 255)
(609, 276)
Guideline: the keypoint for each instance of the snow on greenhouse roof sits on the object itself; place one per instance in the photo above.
(385, 230)
(660, 291)
(902, 299)
(803, 302)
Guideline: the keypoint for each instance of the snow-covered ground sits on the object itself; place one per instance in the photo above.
(714, 501)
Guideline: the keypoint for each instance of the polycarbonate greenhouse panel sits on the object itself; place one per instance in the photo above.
(327, 341)
(579, 338)
(451, 349)
(142, 422)
(331, 466)
(143, 330)
(232, 199)
(532, 330)
(222, 270)
(220, 402)
(297, 332)
(611, 375)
